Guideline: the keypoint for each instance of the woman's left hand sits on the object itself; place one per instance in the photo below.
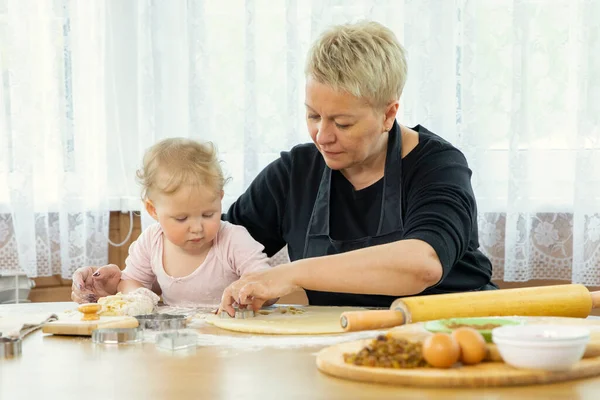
(256, 288)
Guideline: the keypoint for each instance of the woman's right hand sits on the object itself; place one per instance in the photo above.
(91, 283)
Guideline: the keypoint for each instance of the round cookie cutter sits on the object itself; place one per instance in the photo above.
(161, 322)
(10, 347)
(240, 313)
(117, 336)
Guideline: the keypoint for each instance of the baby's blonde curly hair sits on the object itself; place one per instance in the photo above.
(176, 162)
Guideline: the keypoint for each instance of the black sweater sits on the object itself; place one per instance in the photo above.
(438, 207)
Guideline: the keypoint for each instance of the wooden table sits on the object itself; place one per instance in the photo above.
(75, 368)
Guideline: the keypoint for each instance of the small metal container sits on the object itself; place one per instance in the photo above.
(10, 347)
(176, 340)
(161, 322)
(117, 336)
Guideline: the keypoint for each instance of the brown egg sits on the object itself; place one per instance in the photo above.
(473, 348)
(440, 350)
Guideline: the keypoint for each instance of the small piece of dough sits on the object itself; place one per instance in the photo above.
(302, 321)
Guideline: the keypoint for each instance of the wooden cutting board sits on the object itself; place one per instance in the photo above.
(73, 325)
(486, 374)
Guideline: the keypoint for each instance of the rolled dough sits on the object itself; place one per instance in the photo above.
(310, 320)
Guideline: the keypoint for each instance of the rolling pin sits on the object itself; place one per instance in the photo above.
(570, 300)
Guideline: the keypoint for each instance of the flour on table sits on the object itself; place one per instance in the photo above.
(193, 310)
(257, 342)
(246, 342)
(231, 342)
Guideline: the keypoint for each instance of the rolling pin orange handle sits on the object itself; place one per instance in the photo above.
(368, 320)
(595, 299)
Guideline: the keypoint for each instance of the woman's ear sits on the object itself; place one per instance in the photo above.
(151, 209)
(391, 110)
(222, 194)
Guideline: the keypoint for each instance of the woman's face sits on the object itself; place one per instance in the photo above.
(346, 130)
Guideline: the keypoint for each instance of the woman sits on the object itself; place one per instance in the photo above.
(371, 210)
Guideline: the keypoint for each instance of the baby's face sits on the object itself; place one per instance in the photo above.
(190, 218)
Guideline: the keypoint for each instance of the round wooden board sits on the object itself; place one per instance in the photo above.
(487, 374)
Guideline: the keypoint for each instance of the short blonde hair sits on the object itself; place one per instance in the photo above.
(364, 59)
(184, 162)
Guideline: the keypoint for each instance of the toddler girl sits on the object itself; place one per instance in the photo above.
(190, 253)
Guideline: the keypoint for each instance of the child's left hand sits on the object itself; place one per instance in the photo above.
(257, 288)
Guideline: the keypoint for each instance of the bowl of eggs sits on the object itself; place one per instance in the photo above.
(544, 347)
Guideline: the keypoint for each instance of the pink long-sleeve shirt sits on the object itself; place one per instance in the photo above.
(234, 253)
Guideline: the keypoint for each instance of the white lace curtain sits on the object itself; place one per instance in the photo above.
(88, 85)
(53, 147)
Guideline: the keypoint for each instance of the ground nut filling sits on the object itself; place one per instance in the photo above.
(388, 352)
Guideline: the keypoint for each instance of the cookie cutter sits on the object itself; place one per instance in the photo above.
(241, 313)
(176, 340)
(117, 336)
(161, 322)
(10, 347)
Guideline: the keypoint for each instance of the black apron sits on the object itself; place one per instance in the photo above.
(318, 241)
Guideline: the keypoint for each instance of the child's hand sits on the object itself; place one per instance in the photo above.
(257, 288)
(91, 283)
